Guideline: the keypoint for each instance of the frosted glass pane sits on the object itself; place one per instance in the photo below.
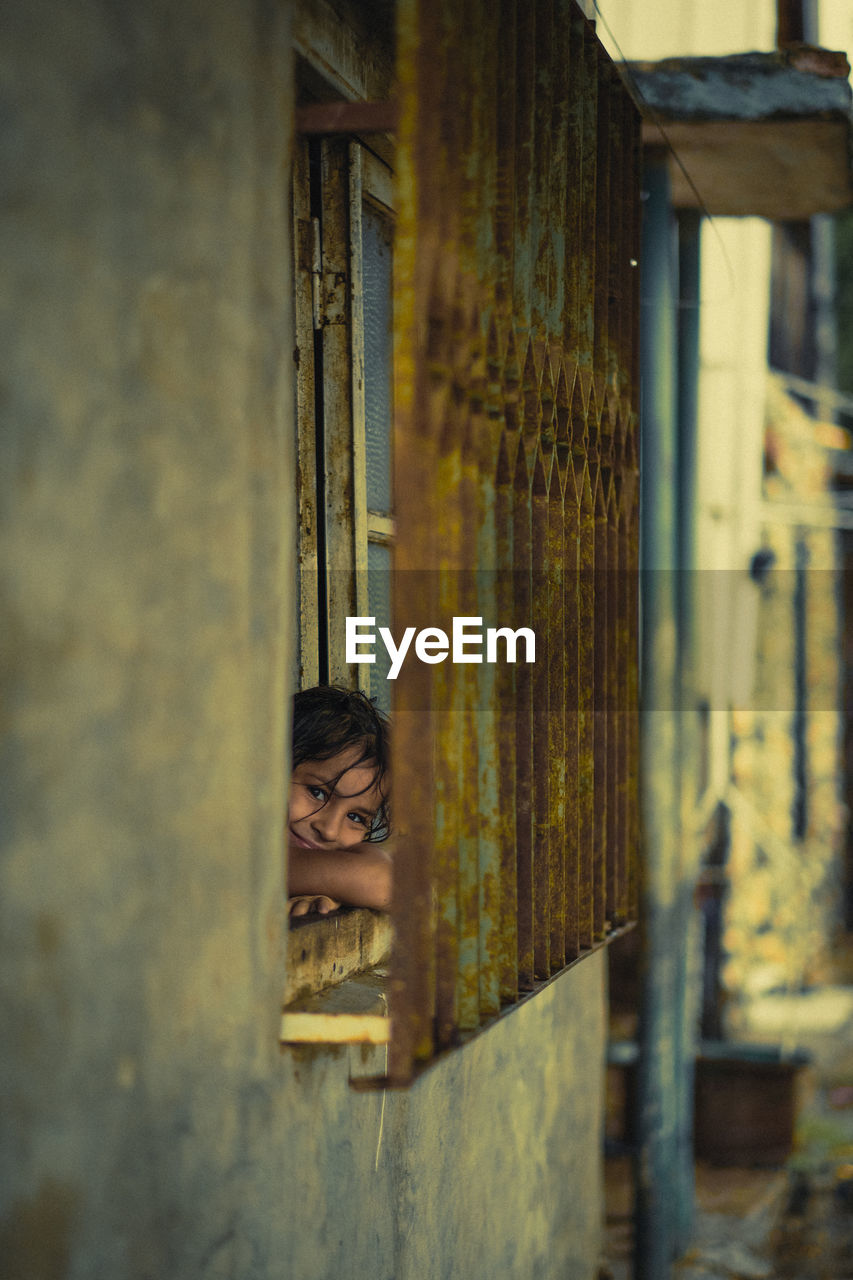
(379, 603)
(376, 271)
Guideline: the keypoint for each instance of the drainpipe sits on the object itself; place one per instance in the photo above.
(690, 972)
(663, 1190)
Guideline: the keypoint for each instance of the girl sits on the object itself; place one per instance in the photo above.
(338, 809)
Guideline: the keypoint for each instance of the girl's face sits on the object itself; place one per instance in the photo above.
(333, 802)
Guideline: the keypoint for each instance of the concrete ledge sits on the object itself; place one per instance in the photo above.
(323, 951)
(755, 134)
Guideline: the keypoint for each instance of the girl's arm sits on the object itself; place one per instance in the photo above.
(359, 878)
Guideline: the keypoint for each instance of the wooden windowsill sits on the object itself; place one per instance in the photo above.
(335, 985)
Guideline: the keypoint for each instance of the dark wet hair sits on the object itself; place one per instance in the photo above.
(328, 719)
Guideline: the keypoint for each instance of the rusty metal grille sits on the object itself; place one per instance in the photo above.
(516, 302)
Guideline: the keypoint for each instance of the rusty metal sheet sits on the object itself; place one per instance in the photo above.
(516, 318)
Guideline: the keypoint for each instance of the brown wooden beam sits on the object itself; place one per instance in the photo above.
(346, 117)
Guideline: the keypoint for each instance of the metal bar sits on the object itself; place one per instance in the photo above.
(603, 238)
(573, 209)
(600, 650)
(612, 700)
(633, 564)
(558, 834)
(623, 708)
(525, 168)
(521, 545)
(589, 152)
(417, 420)
(571, 540)
(506, 703)
(634, 444)
(559, 55)
(467, 133)
(622, 281)
(488, 741)
(468, 978)
(541, 773)
(586, 676)
(504, 207)
(448, 729)
(541, 214)
(616, 203)
(660, 1067)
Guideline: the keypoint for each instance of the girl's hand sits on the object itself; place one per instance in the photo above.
(310, 905)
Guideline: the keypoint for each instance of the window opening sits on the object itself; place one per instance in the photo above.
(515, 486)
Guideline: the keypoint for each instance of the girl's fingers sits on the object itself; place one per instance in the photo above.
(318, 904)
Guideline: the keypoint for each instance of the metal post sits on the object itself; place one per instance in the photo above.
(659, 1174)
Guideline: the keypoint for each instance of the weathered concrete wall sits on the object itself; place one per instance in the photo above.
(490, 1166)
(147, 489)
(152, 1127)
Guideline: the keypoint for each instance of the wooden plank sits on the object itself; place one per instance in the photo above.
(355, 1012)
(769, 169)
(346, 117)
(306, 238)
(334, 1028)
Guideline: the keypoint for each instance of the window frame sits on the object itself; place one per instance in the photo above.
(334, 175)
(335, 525)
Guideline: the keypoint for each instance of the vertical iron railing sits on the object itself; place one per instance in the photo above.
(516, 475)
